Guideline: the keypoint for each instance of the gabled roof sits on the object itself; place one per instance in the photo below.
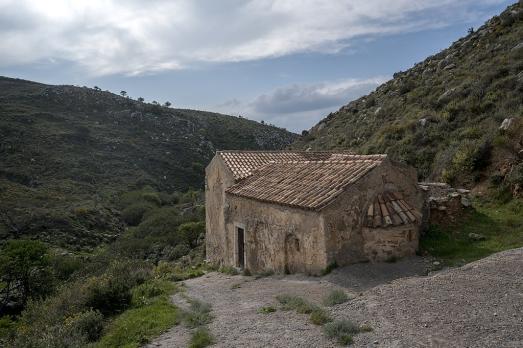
(389, 209)
(243, 163)
(305, 184)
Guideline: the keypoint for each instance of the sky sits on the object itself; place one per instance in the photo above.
(286, 62)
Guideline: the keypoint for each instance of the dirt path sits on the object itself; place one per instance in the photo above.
(478, 305)
(236, 299)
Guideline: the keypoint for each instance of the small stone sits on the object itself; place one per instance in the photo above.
(465, 201)
(436, 263)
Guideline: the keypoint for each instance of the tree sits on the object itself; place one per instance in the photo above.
(96, 88)
(167, 104)
(123, 93)
(25, 272)
(470, 30)
(154, 102)
(140, 99)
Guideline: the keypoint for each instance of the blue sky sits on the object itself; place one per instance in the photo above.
(287, 62)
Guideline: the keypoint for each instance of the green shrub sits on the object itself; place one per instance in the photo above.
(228, 270)
(24, 265)
(201, 338)
(88, 324)
(191, 231)
(199, 314)
(111, 292)
(291, 302)
(136, 326)
(163, 222)
(65, 265)
(330, 267)
(133, 214)
(341, 330)
(319, 317)
(146, 195)
(266, 309)
(335, 297)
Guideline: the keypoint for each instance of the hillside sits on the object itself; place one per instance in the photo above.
(67, 152)
(443, 115)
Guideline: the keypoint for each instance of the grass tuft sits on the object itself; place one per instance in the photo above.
(266, 309)
(341, 330)
(336, 297)
(319, 317)
(291, 302)
(199, 314)
(201, 338)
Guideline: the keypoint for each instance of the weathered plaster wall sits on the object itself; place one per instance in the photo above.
(217, 178)
(277, 238)
(385, 244)
(344, 218)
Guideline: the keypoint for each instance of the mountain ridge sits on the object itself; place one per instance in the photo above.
(67, 152)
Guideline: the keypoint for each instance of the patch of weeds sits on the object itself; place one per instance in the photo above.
(319, 317)
(199, 314)
(342, 331)
(365, 328)
(137, 326)
(264, 274)
(336, 297)
(330, 267)
(228, 270)
(246, 272)
(236, 285)
(266, 309)
(291, 302)
(201, 338)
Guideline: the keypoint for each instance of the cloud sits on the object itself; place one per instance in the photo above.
(138, 37)
(298, 107)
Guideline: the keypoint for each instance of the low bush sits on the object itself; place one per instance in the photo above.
(228, 270)
(199, 314)
(291, 302)
(133, 214)
(341, 330)
(266, 309)
(201, 338)
(335, 297)
(319, 317)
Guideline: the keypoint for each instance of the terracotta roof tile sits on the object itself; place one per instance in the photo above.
(309, 184)
(243, 163)
(389, 209)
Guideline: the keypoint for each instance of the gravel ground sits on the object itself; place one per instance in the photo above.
(478, 305)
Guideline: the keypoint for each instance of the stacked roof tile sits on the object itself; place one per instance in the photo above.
(243, 163)
(389, 209)
(309, 184)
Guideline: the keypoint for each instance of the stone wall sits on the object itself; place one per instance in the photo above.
(344, 218)
(217, 178)
(277, 238)
(387, 244)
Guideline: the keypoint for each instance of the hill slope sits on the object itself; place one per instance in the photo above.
(66, 152)
(442, 116)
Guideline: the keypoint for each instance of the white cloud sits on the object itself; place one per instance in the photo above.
(298, 107)
(135, 37)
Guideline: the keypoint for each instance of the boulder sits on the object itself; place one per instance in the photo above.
(508, 124)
